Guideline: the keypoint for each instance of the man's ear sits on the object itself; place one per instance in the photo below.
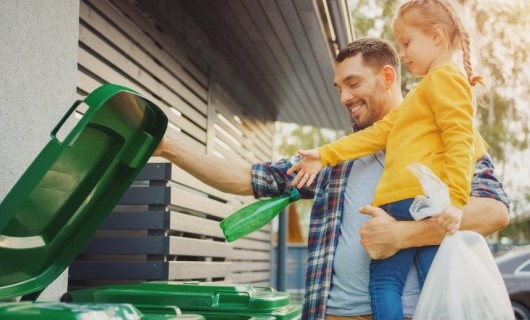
(389, 75)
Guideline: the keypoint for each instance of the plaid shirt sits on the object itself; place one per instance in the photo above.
(269, 179)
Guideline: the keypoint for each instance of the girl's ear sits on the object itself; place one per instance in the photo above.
(389, 76)
(438, 34)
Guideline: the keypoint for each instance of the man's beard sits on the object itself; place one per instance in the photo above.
(354, 127)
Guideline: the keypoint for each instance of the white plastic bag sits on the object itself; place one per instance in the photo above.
(436, 198)
(464, 282)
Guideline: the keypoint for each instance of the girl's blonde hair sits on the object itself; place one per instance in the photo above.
(426, 14)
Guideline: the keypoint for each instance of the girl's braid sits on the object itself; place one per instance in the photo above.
(465, 42)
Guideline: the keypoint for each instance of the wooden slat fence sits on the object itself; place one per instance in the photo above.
(167, 224)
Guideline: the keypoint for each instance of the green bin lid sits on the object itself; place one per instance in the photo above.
(213, 300)
(64, 311)
(70, 188)
(100, 311)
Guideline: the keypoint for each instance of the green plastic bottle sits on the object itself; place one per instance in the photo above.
(254, 216)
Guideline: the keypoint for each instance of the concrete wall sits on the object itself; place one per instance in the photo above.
(38, 59)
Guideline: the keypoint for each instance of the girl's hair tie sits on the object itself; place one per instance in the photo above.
(474, 79)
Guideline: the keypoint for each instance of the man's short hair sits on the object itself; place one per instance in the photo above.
(375, 52)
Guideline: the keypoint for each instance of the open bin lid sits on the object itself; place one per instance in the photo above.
(70, 188)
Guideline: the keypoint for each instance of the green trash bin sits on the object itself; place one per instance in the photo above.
(212, 300)
(66, 193)
(64, 311)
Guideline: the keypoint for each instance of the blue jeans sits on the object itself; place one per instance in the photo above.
(387, 276)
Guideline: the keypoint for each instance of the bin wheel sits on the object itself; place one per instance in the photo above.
(66, 297)
(521, 312)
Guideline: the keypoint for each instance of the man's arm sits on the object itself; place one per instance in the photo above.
(227, 175)
(382, 236)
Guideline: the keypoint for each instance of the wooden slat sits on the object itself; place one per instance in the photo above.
(196, 247)
(97, 270)
(164, 36)
(263, 234)
(249, 277)
(226, 106)
(157, 245)
(253, 244)
(238, 149)
(182, 270)
(187, 223)
(261, 136)
(250, 266)
(177, 198)
(88, 61)
(138, 29)
(247, 146)
(140, 70)
(250, 255)
(185, 199)
(119, 44)
(183, 177)
(88, 84)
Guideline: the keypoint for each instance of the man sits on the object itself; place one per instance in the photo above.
(367, 77)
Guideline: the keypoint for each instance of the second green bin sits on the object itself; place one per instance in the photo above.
(212, 300)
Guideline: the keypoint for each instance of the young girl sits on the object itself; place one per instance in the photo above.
(433, 126)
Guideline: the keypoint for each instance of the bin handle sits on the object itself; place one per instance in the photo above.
(269, 289)
(65, 117)
(218, 293)
(149, 309)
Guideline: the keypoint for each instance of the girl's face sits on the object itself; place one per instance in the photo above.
(417, 49)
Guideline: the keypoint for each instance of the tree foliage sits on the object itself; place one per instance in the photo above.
(294, 137)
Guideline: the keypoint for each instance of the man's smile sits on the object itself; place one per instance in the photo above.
(355, 108)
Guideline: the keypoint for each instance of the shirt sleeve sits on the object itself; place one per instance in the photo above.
(269, 179)
(360, 143)
(486, 184)
(450, 98)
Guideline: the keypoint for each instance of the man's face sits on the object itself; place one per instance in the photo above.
(361, 91)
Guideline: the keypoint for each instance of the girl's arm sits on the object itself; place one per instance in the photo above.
(450, 98)
(353, 146)
(360, 143)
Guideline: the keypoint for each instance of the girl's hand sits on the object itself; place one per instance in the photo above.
(307, 168)
(450, 219)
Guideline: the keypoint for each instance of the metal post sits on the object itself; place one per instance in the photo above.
(282, 251)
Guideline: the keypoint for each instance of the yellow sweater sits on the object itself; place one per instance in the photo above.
(433, 126)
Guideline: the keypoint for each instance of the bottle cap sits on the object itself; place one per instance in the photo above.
(295, 195)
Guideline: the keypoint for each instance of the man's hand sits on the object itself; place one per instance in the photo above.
(379, 235)
(307, 168)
